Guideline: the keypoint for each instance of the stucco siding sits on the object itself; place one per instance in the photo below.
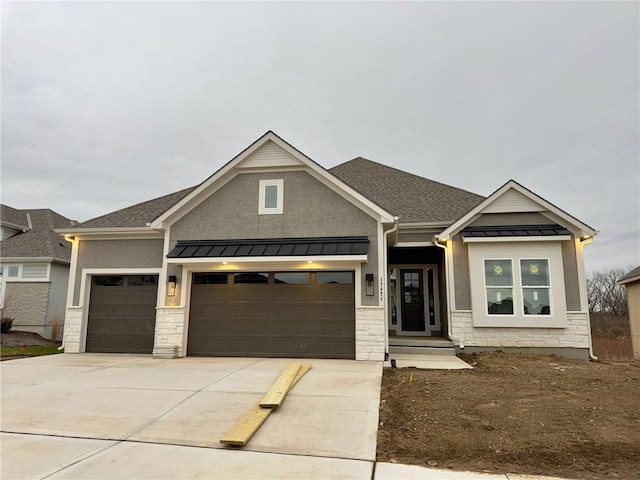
(59, 276)
(462, 283)
(633, 299)
(27, 304)
(116, 254)
(571, 278)
(310, 209)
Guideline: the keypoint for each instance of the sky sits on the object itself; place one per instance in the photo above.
(107, 104)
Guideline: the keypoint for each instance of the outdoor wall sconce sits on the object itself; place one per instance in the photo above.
(171, 285)
(369, 281)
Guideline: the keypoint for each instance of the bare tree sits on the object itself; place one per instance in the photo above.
(604, 294)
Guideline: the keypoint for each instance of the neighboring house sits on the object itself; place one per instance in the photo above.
(273, 255)
(632, 281)
(34, 270)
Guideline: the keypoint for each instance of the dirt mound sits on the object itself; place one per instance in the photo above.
(541, 415)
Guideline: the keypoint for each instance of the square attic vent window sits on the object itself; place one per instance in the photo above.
(270, 197)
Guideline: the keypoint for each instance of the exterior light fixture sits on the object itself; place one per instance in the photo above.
(369, 281)
(171, 285)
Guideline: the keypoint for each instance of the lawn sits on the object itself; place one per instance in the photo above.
(29, 351)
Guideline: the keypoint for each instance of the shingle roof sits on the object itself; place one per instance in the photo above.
(137, 215)
(630, 276)
(414, 199)
(13, 216)
(40, 240)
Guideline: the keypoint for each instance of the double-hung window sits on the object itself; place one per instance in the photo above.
(536, 286)
(498, 278)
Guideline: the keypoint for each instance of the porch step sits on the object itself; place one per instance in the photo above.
(419, 350)
(397, 341)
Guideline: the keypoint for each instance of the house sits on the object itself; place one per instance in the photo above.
(273, 255)
(632, 282)
(34, 270)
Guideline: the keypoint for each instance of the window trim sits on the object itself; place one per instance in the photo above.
(263, 184)
(548, 287)
(552, 252)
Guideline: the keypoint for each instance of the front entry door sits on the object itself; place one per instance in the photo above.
(412, 300)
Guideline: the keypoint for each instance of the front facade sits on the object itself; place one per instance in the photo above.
(275, 256)
(34, 270)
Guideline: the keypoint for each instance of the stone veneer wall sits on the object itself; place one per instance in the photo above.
(170, 324)
(370, 333)
(574, 335)
(73, 330)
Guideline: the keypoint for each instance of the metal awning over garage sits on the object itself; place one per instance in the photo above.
(515, 231)
(272, 247)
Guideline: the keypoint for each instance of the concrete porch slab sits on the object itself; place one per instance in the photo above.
(428, 362)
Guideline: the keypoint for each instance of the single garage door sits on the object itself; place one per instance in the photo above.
(272, 314)
(122, 314)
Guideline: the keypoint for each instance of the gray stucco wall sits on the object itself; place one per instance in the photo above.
(116, 254)
(461, 274)
(27, 304)
(310, 209)
(523, 218)
(59, 276)
(571, 282)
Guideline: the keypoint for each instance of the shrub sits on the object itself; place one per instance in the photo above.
(5, 324)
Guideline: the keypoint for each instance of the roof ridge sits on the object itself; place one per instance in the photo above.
(404, 172)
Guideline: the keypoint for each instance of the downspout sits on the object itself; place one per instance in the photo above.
(386, 266)
(447, 273)
(584, 242)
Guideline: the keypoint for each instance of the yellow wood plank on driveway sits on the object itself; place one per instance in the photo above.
(251, 421)
(282, 385)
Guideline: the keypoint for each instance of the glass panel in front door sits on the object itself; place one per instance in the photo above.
(412, 300)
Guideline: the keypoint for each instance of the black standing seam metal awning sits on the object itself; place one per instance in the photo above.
(515, 231)
(272, 247)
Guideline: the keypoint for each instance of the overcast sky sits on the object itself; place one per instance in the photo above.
(108, 104)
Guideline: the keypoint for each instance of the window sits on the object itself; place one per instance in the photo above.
(334, 277)
(270, 197)
(292, 278)
(535, 286)
(251, 277)
(498, 280)
(13, 271)
(519, 284)
(210, 278)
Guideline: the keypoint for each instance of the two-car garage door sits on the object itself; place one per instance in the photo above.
(272, 314)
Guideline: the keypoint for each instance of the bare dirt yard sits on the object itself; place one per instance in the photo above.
(542, 415)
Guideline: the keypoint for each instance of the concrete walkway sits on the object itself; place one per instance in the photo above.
(92, 416)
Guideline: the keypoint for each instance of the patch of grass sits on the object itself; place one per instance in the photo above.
(30, 351)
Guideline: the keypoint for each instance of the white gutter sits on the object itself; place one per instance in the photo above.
(386, 266)
(447, 274)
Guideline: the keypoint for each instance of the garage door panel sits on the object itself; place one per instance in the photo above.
(280, 320)
(121, 318)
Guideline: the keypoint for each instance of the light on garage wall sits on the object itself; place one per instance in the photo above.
(369, 281)
(171, 285)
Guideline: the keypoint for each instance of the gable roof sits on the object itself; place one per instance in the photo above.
(632, 276)
(529, 198)
(296, 157)
(138, 215)
(412, 198)
(40, 241)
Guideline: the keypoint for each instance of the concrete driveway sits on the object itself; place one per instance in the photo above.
(94, 416)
